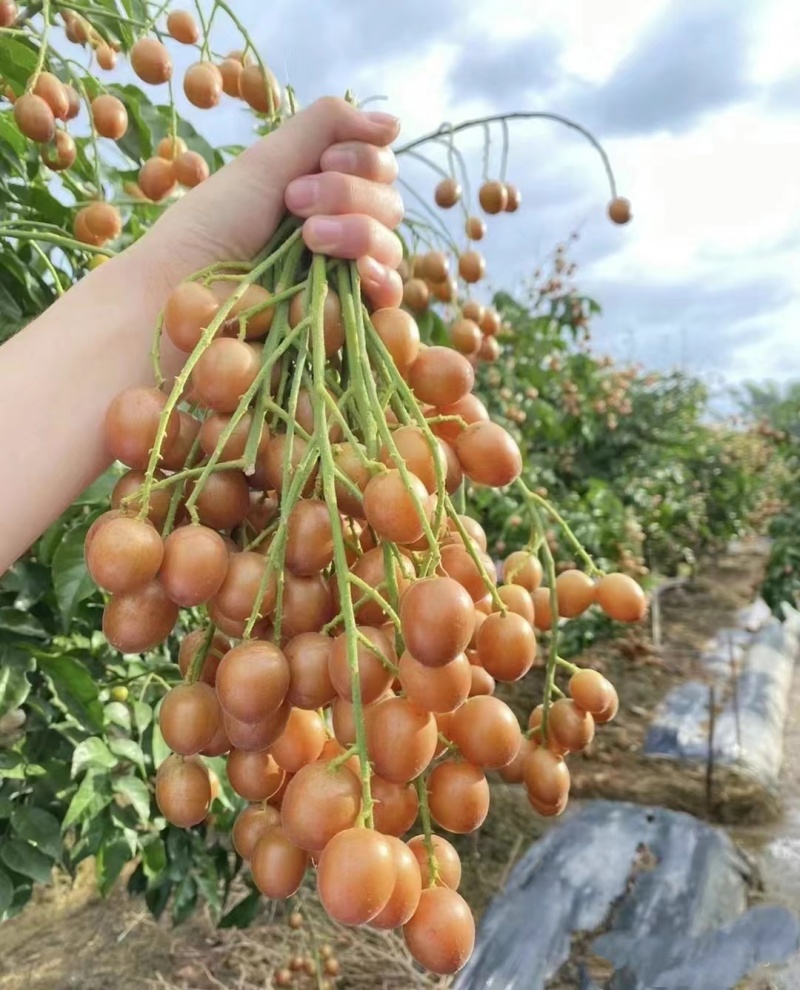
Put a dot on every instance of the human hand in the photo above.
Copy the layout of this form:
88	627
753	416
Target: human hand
331	164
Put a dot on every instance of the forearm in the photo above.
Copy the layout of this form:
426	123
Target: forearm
57	377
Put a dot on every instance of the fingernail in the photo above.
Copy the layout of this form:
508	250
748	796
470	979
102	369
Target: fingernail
340	160
384	119
302	194
327	233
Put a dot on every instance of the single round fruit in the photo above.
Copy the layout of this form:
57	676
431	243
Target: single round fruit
224	500
124	555
395	508
189	717
436	689
621	598
416	295
320	801
255	737
546	777
191	169
619	210
441	376
458	796
188	311
52	91
401	739
576	592
489	454
231	70
395	806
437	619
472	266
356	875
301	741
514	198
470	410
486	732
34	118
139	620
591	691
517	600
522	567
255	776
193	644
493	197
543	612
183	791
202	85
277	865
506	646
475	228
110	116
466	336
420	458
447	193
194	566
448	863
260	89
310	685
400	335
157	178
570	727
62	156
309	538
183	27
151	62
374	673
252	680
441	932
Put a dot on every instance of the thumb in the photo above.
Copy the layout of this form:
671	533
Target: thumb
231	215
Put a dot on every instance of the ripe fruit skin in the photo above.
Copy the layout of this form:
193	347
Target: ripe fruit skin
591	691
621	598
74	102
8	13
493	197
437	618
576	592
447	860
543	614
416	295
202	85
224	500
189	717
250	825
489	454
255	737
301	742
309	538
407	890
151	62
395	806
619	210
124	555
103	221
466	336
255	776
170	147
546	777
374	677
401	739
441	933
471	410
447	193
183	27
486	731
277	865
131	423
192	644
320	802
194	566
34	118
436	689
356	875
440	376
157	178
458	796
139	620
310	685
506	646
191	169
523	568
514	198
63	155
260	89
189	310
472	266
52	91
394	509
106	57
252	680
224	372
231	70
110	116
570	727
400	334
475	228
183	791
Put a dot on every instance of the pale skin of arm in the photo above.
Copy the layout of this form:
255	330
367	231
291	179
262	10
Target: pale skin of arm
331	165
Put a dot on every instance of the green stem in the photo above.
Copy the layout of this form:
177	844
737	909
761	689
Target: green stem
195	668
42	46
552	658
427	830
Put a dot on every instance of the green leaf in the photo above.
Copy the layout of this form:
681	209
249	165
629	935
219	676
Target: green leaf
116	713
71	581
135	791
185	900
244	913
15	665
10	136
109	863
74	689
21	623
38	827
92	753
157	898
17	61
142	715
6	892
128	749
98	494
92	796
154	857
137	142
26	859
159	748
9	761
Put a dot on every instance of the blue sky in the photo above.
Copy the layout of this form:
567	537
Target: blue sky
696	101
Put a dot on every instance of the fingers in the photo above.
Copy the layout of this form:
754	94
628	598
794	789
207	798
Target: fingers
334	194
364	160
352	237
383	285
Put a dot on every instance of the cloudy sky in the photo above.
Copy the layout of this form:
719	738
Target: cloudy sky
696	101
